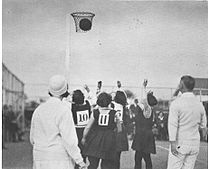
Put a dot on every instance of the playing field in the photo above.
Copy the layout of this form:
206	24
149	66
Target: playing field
160	159
19	156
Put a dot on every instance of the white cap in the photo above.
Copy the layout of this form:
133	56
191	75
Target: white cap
57	85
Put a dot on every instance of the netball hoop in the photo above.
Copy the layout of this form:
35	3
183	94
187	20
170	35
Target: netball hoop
83	21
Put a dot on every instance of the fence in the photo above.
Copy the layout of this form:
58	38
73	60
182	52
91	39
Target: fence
13	94
162	93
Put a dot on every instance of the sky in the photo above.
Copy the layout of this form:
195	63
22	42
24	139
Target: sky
129	41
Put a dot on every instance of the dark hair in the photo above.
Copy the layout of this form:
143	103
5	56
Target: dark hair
104	99
120	98
78	97
65	94
151	99
136	100
189	82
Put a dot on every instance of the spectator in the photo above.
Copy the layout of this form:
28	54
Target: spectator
134	108
12	124
186	115
130	124
4	125
52	134
18	120
155	131
161	123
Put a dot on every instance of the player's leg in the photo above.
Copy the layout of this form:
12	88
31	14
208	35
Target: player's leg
138	159
147	159
94	161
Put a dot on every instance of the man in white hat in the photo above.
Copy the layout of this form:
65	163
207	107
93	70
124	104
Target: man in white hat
52	134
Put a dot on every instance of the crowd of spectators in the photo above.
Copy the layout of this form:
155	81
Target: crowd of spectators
160	123
11	129
160	127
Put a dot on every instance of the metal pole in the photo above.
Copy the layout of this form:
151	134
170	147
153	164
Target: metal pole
23	108
67	58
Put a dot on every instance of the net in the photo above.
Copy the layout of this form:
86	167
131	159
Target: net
83	21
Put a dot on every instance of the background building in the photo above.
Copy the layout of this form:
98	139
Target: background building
13	94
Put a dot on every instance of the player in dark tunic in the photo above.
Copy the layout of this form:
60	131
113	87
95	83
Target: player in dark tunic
120	101
100	143
144	142
81	111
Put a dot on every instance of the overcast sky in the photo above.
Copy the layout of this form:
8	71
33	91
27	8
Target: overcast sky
129	41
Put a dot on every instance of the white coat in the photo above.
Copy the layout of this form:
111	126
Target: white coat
53	136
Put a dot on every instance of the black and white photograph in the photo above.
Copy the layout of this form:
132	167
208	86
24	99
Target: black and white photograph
115	84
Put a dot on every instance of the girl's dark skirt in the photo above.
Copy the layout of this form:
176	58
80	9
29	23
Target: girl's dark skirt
144	141
79	136
101	144
122	140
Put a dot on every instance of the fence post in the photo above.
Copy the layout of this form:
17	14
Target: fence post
200	94
171	93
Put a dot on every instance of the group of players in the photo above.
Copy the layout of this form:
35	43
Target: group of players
100	133
100	122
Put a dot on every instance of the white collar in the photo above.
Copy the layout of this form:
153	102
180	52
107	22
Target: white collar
187	94
104	108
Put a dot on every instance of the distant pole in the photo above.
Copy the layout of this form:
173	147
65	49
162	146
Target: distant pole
200	94
171	93
23	108
68	43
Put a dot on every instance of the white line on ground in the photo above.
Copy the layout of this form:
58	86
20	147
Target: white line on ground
162	147
201	161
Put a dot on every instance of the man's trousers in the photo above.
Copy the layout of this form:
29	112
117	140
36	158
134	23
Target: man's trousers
187	155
